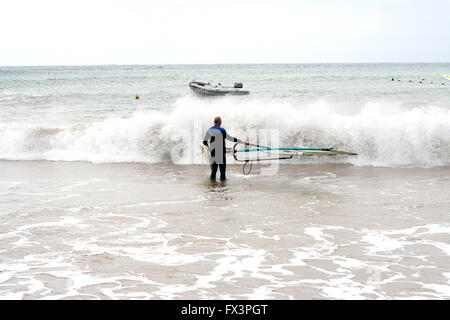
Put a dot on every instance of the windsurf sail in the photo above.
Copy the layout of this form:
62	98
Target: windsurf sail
299	151
445	76
260	153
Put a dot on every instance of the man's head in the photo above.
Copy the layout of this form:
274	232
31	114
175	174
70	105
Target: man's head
217	121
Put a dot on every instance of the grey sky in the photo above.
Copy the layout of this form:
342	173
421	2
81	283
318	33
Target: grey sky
50	32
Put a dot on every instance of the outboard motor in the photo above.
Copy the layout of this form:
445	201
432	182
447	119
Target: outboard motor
238	85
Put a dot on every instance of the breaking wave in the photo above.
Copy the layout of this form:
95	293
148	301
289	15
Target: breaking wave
383	134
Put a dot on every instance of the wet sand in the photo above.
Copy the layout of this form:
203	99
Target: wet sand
77	230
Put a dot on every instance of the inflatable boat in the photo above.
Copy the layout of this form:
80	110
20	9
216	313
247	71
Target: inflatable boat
206	88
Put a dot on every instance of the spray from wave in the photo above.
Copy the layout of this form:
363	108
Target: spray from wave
383	134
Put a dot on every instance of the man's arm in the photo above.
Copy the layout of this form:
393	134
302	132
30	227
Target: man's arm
232	139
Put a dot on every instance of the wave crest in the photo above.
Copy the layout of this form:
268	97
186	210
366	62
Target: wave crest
383	134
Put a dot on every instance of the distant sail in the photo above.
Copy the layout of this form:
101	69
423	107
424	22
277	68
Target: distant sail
445	76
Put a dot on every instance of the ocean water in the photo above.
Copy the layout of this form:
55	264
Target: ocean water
106	196
90	114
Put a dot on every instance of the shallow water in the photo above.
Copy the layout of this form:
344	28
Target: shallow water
76	230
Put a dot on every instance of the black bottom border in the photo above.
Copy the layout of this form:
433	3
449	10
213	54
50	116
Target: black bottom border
221	309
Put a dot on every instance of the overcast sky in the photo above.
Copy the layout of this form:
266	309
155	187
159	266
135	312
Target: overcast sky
55	32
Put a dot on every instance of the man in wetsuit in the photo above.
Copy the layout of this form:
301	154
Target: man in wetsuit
216	136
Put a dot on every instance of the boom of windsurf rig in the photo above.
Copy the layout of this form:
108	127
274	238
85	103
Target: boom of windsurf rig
250	153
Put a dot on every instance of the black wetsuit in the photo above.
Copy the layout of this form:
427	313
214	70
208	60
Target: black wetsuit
216	136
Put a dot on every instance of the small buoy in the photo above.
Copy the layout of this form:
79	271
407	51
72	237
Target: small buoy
137	97
392	79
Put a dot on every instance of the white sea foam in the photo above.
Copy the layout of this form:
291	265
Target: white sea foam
382	134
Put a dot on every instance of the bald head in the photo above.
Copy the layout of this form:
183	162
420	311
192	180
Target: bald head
217	121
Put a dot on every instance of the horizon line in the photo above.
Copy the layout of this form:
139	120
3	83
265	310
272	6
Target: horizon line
211	64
